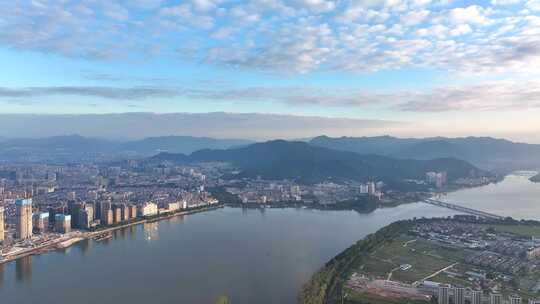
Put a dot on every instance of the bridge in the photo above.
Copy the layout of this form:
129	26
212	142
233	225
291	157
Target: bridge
459	208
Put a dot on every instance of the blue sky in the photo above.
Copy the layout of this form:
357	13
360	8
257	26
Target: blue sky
450	67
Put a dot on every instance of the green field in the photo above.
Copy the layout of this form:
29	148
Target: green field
425	259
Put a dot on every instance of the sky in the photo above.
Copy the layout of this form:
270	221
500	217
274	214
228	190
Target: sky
371	67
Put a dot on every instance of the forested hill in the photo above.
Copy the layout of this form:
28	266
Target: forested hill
306	163
484	152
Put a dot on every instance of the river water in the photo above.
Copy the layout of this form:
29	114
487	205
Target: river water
250	256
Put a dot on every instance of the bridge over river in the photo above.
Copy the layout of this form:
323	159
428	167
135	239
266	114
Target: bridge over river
459	208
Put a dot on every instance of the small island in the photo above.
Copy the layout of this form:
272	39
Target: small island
536	178
438	260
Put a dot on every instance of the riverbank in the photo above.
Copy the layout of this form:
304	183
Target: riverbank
361	204
75	237
326	285
392	265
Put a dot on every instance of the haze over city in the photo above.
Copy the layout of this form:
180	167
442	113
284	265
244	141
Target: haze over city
406	68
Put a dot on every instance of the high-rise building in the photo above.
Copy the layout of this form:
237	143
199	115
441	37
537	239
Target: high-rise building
106	213
363	189
515	299
132	211
476	296
23	215
117	214
459	295
148	209
108	218
495	298
86	216
75	209
97	209
436	178
41	222
444	296
56	210
371	188
62	223
1	224
125	212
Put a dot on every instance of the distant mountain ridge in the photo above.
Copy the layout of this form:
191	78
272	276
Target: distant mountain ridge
73	148
180	144
485	152
279	159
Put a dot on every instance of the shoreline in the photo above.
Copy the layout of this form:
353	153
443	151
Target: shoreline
78	236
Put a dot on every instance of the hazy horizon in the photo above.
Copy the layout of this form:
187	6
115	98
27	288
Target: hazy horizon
344	68
219	125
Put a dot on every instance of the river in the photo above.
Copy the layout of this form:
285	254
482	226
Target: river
250	256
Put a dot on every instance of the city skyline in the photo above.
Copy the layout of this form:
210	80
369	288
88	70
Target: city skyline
405	68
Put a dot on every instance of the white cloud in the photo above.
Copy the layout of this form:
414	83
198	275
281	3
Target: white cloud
297	36
204	5
461	29
317	5
471	14
414	17
501	95
223	33
439	31
115	11
420	2
533	5
504	2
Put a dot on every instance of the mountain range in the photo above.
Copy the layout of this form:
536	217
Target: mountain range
485	152
74	148
307	163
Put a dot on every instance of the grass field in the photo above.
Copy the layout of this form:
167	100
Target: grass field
377	267
425	259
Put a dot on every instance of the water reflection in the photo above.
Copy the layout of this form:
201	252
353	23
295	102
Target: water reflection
84	246
132	232
1	275
174	220
120	233
151	231
23	269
